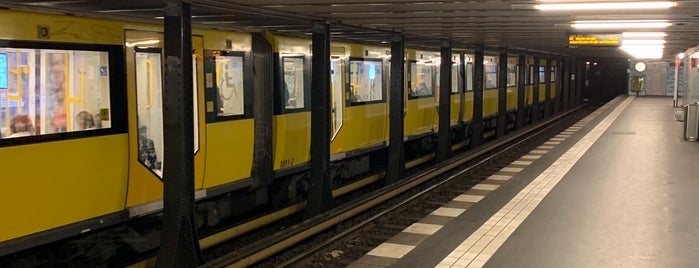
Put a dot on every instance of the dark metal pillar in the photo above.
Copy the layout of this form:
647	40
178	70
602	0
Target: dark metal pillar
565	95
396	150
559	85
320	195
502	96
477	137
578	82
547	87
179	246
263	107
443	137
535	91
521	81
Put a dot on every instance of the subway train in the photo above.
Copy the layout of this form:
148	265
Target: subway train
81	128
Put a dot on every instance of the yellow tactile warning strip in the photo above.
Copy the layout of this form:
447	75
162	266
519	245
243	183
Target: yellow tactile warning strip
389	252
477	249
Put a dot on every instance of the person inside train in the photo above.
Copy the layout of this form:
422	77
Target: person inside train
146	149
20	126
84	121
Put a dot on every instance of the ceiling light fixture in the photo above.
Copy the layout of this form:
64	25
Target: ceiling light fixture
643	42
643	34
620	24
605	6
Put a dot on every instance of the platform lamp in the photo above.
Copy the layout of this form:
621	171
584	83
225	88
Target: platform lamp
678	60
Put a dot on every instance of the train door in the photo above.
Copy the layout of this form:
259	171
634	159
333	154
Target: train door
144	68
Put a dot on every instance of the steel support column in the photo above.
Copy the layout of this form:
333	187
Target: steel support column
179	246
536	85
502	96
579	77
565	95
559	85
396	150
444	134
521	81
263	108
320	195
477	137
547	87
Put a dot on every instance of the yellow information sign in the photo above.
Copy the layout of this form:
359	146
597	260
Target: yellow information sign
594	40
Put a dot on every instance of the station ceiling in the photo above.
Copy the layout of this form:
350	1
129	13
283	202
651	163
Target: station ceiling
513	25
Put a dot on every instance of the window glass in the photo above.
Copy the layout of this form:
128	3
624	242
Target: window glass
52	91
421	79
150	110
469	76
455	78
491	75
542	74
553	73
366	80
229	81
530	77
293	82
336	82
195	103
511	75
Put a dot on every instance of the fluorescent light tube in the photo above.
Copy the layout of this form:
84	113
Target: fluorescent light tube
620	24
606	6
643	42
643	34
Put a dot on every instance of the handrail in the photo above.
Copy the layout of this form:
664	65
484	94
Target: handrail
18	96
151	85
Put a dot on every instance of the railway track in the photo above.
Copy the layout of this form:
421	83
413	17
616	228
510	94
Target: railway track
365	219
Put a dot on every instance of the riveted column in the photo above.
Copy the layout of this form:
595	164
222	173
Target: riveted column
521	81
179	246
535	84
477	137
502	95
565	96
547	87
443	137
263	110
396	150
320	195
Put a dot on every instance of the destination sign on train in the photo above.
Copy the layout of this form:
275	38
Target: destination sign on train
594	40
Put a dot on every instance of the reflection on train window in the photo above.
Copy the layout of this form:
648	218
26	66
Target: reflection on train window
553	73
229	82
511	75
52	91
336	82
421	79
195	103
469	76
150	110
530	76
365	80
491	76
542	74
294	82
455	78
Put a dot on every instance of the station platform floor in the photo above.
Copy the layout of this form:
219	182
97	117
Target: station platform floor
620	188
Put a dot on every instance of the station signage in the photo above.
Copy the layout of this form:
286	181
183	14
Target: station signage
594	40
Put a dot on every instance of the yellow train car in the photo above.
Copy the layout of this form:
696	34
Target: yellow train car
421	103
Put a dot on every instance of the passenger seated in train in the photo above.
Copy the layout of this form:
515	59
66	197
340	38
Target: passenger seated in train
421	90
20	126
146	149
84	121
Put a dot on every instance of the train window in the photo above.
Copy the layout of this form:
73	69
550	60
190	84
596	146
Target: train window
149	90
530	77
421	79
455	78
542	74
511	75
553	73
51	91
195	103
229	82
336	82
365	80
294	83
469	76
491	76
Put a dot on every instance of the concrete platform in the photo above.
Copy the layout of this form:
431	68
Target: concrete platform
619	188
